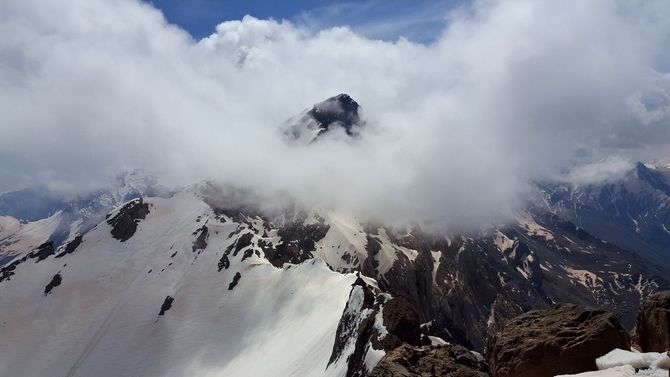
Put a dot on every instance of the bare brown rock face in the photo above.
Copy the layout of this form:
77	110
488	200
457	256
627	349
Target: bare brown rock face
562	340
447	360
653	323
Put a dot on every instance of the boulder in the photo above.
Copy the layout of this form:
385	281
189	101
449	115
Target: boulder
653	323
562	340
445	360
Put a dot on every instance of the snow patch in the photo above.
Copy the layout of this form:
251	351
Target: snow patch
436	341
436	262
533	228
502	242
637	360
584	277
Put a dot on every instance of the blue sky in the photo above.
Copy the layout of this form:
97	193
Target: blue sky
420	20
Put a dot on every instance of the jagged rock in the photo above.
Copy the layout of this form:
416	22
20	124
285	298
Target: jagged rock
224	262
200	242
448	360
354	329
402	323
373	321
562	340
43	251
55	281
124	223
236	279
71	246
653	323
242	242
297	243
7	271
167	304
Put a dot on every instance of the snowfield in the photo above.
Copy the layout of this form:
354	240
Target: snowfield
102	320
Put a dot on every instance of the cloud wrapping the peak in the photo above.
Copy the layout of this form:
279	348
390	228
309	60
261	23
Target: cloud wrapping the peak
608	170
510	92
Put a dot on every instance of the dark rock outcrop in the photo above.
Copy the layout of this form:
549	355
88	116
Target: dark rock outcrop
242	242
448	360
71	246
402	323
224	262
236	279
562	340
55	281
297	243
653	323
360	324
355	329
43	251
200	242
124	223
7	271
167	304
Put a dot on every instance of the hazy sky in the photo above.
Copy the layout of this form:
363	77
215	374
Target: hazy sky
505	92
417	20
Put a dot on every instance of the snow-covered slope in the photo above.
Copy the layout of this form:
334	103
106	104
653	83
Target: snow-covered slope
102	316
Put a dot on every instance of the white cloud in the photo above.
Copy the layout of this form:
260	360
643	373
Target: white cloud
608	170
511	91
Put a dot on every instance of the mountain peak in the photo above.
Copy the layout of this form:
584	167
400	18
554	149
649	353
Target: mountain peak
337	112
652	177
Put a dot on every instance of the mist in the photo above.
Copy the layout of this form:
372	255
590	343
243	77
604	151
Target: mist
509	92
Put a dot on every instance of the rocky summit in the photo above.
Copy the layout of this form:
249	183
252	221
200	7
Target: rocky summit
337	113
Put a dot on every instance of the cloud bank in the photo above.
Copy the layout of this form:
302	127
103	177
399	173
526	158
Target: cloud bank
511	91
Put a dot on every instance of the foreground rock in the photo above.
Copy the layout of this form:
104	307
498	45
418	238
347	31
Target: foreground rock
653	323
445	360
562	340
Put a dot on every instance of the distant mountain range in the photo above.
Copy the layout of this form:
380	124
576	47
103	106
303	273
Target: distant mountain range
632	212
